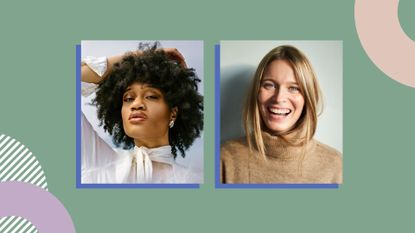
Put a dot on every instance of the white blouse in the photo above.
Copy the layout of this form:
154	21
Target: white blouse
101	163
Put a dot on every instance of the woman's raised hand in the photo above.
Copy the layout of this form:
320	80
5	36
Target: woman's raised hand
88	75
176	55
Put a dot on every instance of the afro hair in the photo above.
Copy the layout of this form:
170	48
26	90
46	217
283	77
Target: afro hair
154	67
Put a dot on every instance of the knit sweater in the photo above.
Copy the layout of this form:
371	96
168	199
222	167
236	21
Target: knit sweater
319	164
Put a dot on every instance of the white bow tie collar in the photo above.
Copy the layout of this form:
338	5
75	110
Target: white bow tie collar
142	158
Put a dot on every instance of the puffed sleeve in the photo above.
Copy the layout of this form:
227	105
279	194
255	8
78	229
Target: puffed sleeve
95	152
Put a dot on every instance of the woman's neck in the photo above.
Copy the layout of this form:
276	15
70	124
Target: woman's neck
151	143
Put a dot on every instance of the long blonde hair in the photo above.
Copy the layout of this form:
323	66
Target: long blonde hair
306	125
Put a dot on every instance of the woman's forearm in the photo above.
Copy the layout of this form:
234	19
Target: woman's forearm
89	76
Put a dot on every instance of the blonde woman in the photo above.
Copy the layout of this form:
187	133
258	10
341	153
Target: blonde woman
280	120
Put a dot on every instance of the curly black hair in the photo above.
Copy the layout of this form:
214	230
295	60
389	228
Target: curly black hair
158	70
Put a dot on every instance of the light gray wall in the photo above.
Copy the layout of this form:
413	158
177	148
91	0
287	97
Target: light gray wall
238	61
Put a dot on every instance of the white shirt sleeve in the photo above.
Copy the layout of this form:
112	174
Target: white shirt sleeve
95	152
97	64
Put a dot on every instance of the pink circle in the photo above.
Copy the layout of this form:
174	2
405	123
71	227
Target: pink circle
384	40
38	206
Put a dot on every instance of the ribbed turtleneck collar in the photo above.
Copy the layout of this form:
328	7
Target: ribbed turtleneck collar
276	147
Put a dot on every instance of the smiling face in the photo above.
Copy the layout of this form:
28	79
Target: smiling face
146	115
279	99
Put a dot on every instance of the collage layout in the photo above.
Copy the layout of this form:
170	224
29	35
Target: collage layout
278	114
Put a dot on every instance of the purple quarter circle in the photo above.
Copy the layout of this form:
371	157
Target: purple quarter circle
35	204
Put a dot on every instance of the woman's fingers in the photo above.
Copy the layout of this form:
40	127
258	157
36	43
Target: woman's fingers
175	54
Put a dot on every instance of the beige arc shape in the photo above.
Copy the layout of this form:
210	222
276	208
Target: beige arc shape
383	39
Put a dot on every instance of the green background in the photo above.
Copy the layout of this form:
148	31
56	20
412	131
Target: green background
37	99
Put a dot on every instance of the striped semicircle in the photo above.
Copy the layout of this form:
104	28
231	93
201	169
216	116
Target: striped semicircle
17	163
16	224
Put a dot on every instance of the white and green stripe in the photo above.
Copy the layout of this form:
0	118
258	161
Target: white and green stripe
15	224
18	164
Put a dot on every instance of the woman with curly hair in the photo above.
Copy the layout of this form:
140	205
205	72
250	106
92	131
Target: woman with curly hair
148	102
280	120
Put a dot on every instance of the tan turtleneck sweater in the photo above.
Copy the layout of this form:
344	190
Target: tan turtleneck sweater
321	164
